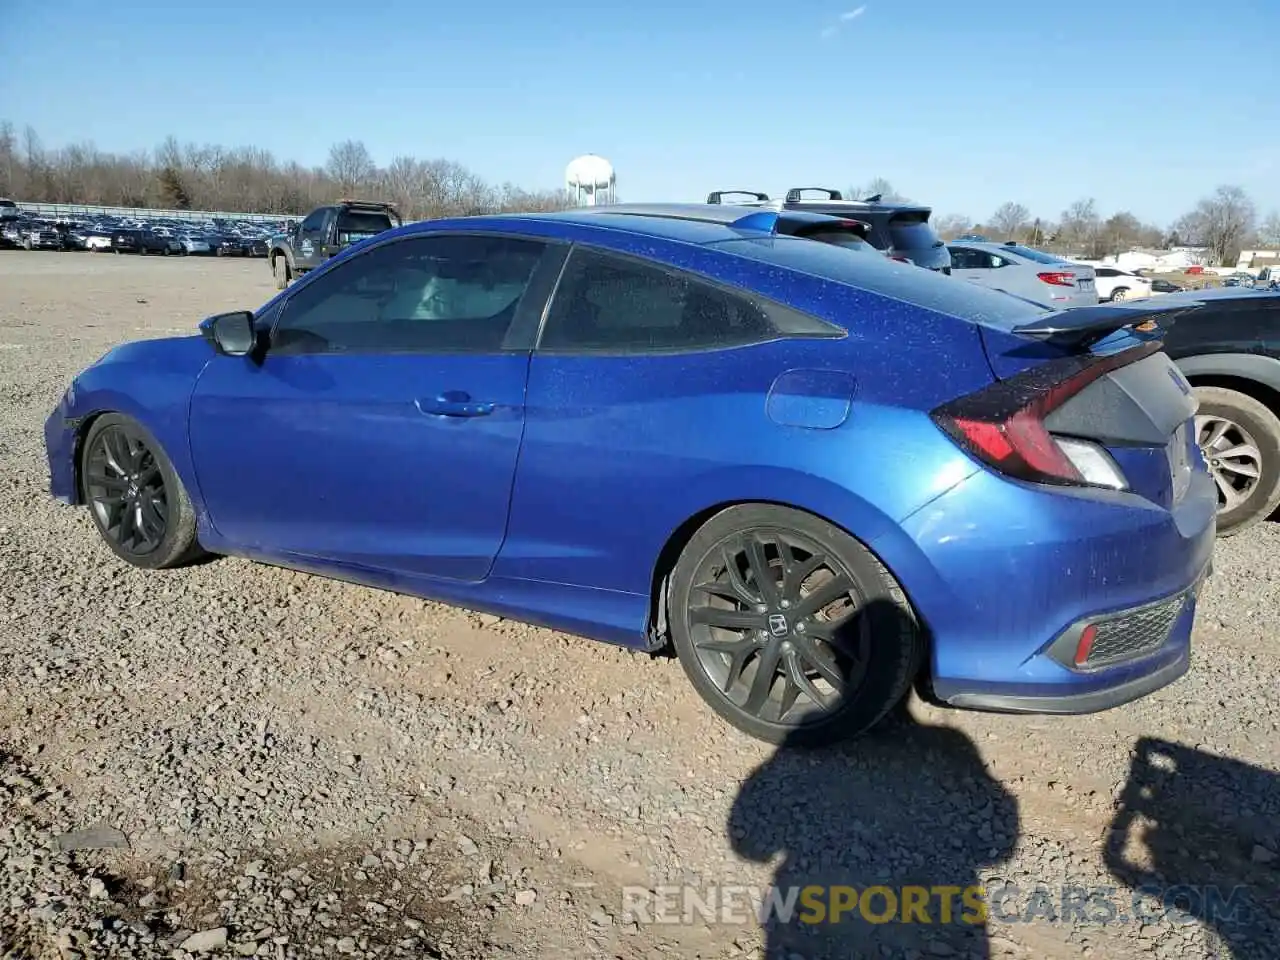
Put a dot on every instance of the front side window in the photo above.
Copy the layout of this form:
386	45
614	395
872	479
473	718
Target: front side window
424	294
610	303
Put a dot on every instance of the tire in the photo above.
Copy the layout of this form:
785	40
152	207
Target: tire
280	270
1119	294
783	627
26	243
142	475
1252	428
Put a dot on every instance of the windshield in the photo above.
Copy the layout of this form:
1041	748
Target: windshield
911	231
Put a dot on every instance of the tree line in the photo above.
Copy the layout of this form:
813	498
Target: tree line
248	179
1224	223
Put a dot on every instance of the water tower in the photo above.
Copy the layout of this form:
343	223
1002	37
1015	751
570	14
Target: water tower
590	181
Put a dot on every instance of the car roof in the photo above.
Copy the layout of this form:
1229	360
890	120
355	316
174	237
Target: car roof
697	223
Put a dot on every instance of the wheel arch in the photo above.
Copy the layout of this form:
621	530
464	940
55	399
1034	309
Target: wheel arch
657	632
1252	374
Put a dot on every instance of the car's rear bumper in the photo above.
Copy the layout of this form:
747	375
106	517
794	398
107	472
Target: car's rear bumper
1006	577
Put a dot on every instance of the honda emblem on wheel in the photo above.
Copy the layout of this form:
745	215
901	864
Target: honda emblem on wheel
778	625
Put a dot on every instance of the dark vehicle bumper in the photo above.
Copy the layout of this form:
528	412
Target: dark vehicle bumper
59	445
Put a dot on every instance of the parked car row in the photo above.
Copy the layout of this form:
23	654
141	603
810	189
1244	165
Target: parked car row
102	234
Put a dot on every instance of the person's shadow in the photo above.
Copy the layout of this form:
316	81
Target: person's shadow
1198	838
908	809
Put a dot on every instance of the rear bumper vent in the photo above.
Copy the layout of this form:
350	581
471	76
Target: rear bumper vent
1096	643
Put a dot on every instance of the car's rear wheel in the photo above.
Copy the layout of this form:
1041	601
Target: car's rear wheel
1240	440
1120	293
789	627
138	503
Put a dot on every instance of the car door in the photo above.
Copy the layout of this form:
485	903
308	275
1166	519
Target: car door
380	427
308	252
638	370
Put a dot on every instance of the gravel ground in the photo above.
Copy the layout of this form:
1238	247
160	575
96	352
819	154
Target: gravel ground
238	760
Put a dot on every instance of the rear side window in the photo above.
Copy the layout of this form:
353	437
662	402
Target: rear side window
616	304
883	277
911	231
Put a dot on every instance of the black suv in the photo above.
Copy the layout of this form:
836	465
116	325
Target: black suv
324	232
899	230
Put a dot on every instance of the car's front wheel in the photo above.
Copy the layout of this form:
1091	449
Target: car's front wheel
789	627
138	503
1240	440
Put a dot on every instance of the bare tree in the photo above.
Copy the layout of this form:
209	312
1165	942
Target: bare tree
878	186
952	225
1009	220
247	178
1268	231
1222	222
350	166
1080	227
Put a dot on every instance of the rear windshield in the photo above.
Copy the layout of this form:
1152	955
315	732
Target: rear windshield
355	223
881	276
1039	256
911	231
840	238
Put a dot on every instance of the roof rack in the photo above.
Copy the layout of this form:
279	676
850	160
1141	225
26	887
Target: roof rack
716	196
370	204
794	194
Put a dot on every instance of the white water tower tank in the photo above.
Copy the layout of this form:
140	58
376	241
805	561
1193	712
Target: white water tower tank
590	181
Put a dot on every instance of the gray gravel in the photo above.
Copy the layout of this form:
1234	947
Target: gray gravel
236	760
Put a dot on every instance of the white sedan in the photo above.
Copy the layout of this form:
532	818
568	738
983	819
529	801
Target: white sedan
1115	284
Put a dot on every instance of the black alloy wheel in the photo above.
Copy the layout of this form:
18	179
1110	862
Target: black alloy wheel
791	629
137	501
126	490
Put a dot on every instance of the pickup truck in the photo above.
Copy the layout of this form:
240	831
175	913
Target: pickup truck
324	232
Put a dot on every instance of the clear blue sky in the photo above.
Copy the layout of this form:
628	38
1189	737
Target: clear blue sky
1143	104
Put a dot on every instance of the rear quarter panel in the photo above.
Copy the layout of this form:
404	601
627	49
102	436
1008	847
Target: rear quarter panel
621	451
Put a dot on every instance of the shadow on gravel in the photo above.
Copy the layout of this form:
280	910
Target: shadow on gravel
897	824
1196	837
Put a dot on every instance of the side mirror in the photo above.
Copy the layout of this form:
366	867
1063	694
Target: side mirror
231	334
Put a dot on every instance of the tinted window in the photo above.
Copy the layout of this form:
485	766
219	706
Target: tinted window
356	225
840	238
314	220
428	294
964	258
610	303
911	231
883	277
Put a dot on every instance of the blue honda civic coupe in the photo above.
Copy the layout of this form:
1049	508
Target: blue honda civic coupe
819	477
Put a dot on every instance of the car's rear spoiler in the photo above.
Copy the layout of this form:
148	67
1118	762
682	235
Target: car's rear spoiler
1085	326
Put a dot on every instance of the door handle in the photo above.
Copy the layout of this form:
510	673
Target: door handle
454	403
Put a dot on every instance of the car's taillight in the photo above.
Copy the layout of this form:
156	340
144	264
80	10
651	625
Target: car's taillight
1003	425
1058	279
